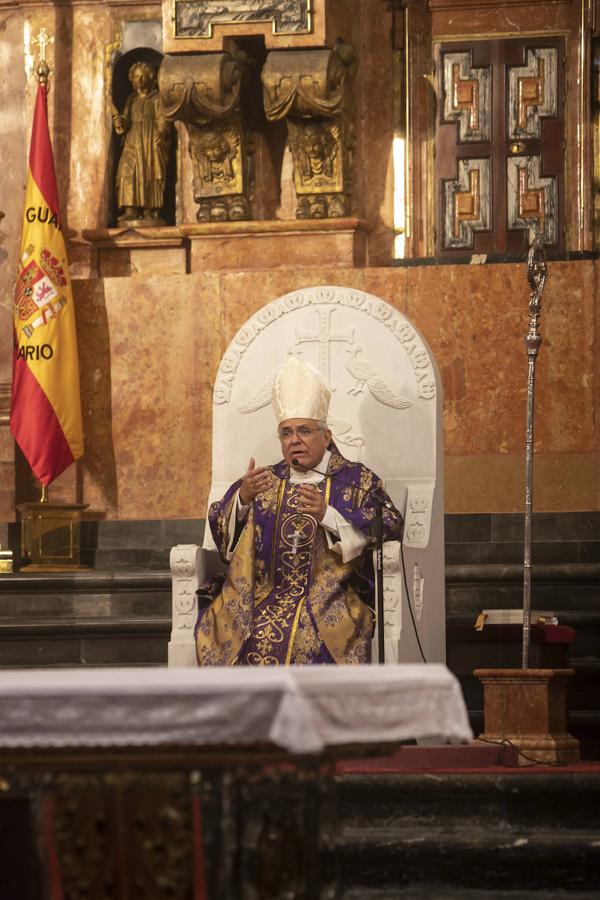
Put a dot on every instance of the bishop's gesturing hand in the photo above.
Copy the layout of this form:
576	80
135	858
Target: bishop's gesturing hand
312	501
255	481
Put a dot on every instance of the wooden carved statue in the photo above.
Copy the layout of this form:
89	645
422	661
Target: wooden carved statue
140	182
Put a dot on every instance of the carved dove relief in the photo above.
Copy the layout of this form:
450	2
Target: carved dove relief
367	376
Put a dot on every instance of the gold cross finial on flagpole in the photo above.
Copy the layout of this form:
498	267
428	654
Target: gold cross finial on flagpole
42	40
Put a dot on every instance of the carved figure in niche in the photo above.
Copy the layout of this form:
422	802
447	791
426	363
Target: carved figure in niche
140	182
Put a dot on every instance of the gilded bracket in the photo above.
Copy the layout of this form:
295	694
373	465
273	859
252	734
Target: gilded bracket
310	90
203	92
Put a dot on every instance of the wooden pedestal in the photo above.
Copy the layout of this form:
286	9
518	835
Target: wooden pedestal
528	708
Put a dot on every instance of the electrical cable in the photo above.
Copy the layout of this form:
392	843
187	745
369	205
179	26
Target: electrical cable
505	742
409	601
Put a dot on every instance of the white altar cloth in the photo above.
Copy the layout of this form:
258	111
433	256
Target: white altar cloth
303	709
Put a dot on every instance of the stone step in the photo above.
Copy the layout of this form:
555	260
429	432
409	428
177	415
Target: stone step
478	859
512	799
469	833
566	589
122	617
85	618
434	890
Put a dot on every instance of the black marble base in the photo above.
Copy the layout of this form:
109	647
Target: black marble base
294	832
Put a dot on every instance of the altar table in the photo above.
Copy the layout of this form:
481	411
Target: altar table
196	784
301	709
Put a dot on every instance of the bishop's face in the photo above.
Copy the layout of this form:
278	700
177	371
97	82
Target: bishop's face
304	442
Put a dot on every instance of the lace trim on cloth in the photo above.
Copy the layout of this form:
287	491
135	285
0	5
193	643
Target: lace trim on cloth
303	709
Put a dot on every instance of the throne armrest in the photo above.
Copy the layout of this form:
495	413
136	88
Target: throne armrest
187	574
392	602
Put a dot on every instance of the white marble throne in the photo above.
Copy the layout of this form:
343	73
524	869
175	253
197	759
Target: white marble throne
386	411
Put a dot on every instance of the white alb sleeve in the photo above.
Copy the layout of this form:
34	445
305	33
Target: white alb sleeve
351	541
239	511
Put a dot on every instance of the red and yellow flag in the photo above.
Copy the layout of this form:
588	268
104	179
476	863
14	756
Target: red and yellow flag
45	416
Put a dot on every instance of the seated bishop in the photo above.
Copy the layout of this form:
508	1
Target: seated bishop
296	540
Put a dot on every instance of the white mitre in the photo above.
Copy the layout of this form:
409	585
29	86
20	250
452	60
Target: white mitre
299	393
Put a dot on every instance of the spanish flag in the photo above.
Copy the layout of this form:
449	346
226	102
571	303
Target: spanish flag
45	416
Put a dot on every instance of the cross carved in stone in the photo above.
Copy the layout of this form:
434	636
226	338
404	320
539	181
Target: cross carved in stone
324	336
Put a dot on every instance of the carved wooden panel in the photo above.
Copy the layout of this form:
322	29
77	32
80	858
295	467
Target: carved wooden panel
467	96
123	835
595	109
467	203
499	145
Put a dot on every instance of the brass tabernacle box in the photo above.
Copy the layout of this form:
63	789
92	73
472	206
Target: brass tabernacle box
50	535
6	561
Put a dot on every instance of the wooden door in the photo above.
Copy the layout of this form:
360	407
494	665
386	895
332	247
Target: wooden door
499	146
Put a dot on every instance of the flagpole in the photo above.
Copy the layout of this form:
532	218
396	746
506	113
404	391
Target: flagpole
42	72
45	417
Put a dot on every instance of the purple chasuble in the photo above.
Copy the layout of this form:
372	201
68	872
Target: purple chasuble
285	612
288	597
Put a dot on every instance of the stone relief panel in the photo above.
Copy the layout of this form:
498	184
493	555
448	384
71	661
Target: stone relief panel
197	18
418	590
186	571
392	586
365	375
532	93
417	520
467	97
532	199
467	203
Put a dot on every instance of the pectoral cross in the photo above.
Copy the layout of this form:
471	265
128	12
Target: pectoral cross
296	533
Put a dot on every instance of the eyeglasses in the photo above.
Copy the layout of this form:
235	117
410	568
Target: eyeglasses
303	431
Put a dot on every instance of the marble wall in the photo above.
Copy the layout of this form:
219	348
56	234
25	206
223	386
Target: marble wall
150	348
151	335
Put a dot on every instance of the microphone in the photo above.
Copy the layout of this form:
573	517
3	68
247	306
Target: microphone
296	462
